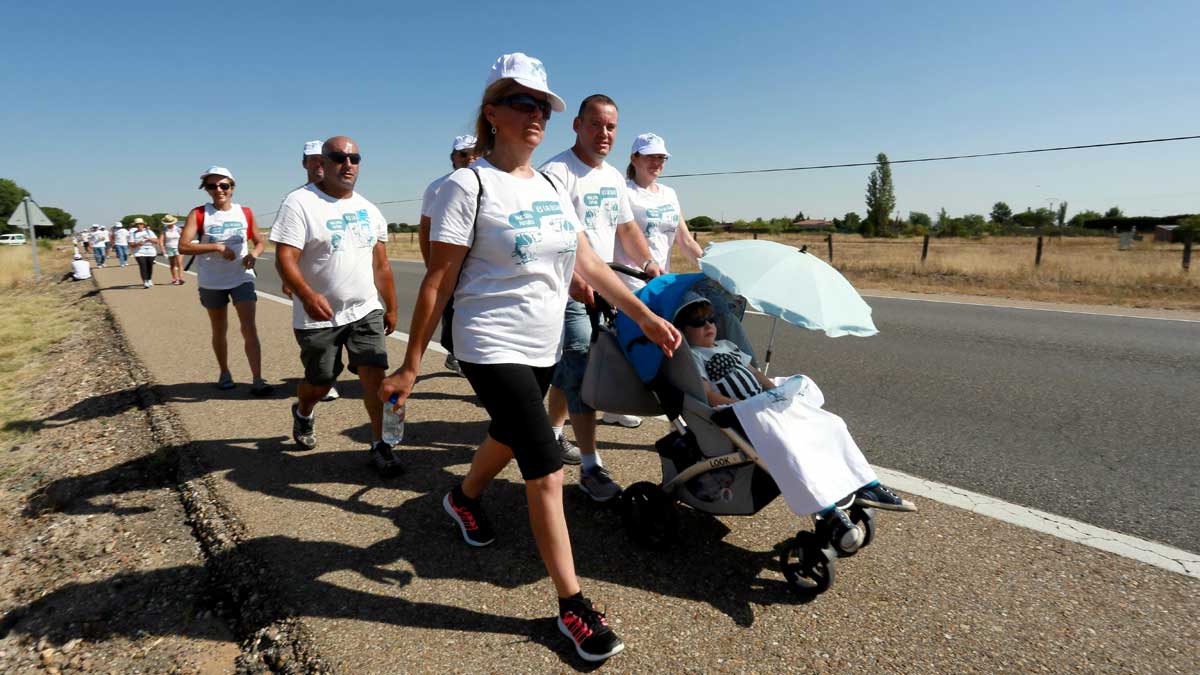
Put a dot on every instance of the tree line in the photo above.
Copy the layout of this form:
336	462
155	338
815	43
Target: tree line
11	196
881	221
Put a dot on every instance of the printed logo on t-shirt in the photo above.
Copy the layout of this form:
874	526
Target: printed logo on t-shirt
661	218
355	226
595	202
544	216
226	228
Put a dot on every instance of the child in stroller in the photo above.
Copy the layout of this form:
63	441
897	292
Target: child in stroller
710	462
729	376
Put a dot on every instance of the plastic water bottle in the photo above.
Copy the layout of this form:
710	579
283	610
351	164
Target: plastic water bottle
393	422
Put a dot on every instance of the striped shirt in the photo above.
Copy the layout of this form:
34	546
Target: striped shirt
727	368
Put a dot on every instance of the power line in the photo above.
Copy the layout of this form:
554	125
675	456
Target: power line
935	159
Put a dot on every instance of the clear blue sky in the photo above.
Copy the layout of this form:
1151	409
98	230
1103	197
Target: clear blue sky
114	108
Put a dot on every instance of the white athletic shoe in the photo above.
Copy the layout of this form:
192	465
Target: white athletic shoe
629	421
333	395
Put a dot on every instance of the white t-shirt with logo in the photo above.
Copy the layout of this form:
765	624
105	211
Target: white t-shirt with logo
99	238
336	238
143	243
508	306
231	228
171	237
599	196
121	236
657	215
430	195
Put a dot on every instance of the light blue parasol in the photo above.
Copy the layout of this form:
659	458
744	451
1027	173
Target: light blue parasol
790	284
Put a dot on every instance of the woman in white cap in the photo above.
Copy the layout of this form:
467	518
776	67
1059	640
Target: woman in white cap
229	244
168	241
655	208
145	250
515	239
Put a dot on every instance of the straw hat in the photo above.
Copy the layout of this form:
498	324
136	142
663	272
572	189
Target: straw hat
169	220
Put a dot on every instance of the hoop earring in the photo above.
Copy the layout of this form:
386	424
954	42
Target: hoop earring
493	131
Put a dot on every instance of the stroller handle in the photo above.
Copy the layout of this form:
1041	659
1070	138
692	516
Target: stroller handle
629	271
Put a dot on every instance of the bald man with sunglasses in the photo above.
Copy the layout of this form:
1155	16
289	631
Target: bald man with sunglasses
331	251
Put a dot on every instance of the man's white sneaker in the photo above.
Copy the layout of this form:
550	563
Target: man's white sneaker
333	395
628	421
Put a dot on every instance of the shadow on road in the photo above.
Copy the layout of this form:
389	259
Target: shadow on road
703	568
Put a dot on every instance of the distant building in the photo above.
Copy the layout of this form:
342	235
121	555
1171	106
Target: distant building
1168	233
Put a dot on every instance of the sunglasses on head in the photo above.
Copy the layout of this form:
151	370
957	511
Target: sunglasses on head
341	157
524	103
700	321
218	186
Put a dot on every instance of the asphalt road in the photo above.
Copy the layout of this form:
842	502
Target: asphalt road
1091	417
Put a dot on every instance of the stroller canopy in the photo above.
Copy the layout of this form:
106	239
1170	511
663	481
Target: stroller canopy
664	295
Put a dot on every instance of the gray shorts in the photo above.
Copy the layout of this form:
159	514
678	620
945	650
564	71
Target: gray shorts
320	348
216	298
171	252
577	340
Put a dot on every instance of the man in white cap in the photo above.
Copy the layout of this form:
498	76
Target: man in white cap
120	240
601	201
80	270
331	250
462	153
99	245
311	161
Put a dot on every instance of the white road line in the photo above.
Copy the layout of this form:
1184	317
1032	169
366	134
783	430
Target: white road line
1154	553
1150	552
397	335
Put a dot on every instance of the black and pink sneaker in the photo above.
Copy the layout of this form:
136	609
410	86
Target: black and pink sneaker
468	513
579	620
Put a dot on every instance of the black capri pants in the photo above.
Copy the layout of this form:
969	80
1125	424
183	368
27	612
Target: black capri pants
513	394
145	265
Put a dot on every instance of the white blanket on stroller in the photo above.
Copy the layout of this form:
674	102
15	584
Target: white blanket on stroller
808	451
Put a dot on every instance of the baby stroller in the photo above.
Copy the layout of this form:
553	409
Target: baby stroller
707	461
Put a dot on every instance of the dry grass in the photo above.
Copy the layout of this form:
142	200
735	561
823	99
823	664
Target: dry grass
16	263
1084	270
37	316
403	246
1088	270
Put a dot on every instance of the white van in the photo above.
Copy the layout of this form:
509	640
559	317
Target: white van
12	239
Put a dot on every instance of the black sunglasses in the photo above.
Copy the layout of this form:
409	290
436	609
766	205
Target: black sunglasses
340	157
699	321
524	103
216	186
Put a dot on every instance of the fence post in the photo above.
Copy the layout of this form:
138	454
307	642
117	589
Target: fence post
411	235
924	249
829	240
755	234
1187	250
1037	262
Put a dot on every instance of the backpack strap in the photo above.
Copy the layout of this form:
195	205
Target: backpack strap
250	233
199	211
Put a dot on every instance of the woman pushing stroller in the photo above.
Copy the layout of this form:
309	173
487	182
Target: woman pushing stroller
729	377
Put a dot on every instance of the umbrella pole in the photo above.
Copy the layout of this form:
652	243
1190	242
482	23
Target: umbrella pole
770	345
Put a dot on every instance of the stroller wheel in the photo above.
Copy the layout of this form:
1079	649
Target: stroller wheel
650	515
806	566
864	518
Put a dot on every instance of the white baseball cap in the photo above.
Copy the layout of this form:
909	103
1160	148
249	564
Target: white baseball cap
312	148
526	71
217	171
650	144
466	142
